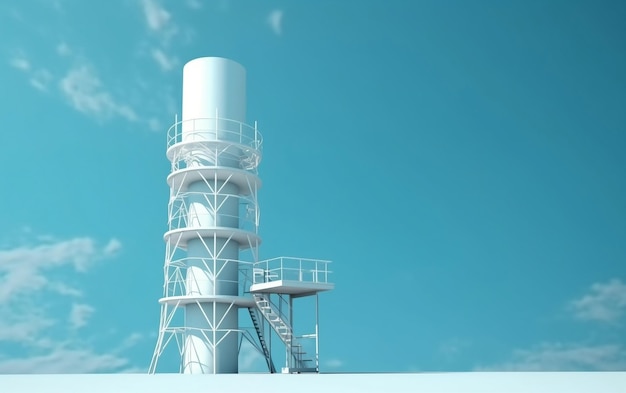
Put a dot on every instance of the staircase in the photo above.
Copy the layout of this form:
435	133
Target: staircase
259	332
285	333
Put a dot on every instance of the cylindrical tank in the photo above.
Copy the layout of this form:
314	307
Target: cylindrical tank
214	85
214	107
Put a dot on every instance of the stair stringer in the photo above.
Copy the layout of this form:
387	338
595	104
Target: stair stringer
257	327
284	332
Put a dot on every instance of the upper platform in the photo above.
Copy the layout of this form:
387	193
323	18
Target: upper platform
209	142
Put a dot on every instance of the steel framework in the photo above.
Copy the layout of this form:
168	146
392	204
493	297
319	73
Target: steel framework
213	221
213	213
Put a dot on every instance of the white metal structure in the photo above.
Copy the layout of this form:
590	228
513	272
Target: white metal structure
213	216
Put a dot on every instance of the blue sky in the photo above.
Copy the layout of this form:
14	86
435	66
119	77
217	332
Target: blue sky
462	163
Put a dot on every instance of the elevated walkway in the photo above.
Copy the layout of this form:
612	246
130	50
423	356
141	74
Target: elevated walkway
291	276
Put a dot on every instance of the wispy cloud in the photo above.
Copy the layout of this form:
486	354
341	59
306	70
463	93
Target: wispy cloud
161	25
453	347
22	269
154	124
156	16
64	360
565	357
30	301
112	247
79	315
26	279
63	49
85	93
604	302
194	4
41	79
334	363
17	326
38	78
275	20
20	63
159	20
166	63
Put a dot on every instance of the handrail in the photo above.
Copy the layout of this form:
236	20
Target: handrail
216	129
294	269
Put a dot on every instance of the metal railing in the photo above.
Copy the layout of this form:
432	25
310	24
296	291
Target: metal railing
215	129
292	269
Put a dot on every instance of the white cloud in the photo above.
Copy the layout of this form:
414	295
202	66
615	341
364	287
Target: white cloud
154	124
79	315
40	79
22	269
63	49
112	247
20	63
334	363
131	341
565	357
63	289
194	4
159	20
30	302
605	302
85	93
56	4
166	63
22	327
453	347
275	20
156	16
25	283
64	360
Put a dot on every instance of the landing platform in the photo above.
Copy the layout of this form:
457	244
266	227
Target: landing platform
291	287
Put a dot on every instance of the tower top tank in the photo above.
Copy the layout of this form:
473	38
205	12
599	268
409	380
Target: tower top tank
214	87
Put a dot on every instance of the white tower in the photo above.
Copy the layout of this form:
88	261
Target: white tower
213	215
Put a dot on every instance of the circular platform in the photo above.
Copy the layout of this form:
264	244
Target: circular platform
180	237
189	299
246	181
